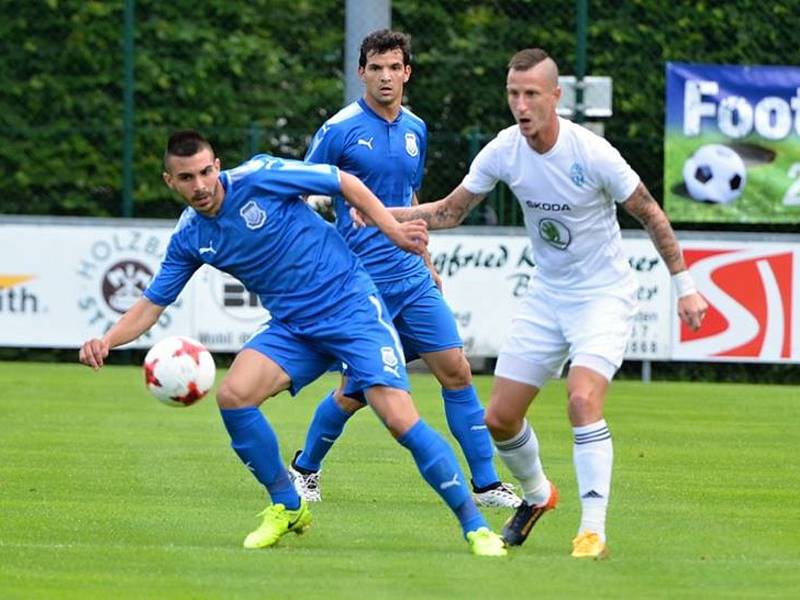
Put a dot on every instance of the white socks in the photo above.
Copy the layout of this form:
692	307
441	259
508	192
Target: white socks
521	455
593	455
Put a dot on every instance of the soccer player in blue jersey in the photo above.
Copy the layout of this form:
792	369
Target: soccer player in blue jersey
252	223
384	144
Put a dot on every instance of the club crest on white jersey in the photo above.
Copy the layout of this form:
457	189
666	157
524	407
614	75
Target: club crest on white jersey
576	174
254	217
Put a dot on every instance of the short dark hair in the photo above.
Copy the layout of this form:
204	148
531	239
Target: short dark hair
527	59
186	142
382	41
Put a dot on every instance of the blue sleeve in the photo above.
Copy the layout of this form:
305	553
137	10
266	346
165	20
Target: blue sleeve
282	177
326	147
175	271
417	184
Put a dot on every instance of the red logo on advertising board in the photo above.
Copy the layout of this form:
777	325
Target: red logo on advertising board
750	303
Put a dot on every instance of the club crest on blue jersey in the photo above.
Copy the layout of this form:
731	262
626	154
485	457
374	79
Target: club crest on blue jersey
390	361
389	356
576	174
254	217
411	144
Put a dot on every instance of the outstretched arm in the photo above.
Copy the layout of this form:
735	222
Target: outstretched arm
446	213
426	256
642	206
139	318
411	236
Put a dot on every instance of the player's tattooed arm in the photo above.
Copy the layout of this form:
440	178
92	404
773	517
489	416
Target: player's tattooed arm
643	207
445	213
426	256
692	307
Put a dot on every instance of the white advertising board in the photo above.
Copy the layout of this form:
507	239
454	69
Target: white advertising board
484	276
650	339
77	280
62	281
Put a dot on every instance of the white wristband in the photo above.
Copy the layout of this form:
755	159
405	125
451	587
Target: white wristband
683	284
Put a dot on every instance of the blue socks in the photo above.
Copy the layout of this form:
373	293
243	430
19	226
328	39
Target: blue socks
465	417
254	441
438	465
325	428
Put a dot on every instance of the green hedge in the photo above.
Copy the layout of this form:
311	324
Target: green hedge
262	75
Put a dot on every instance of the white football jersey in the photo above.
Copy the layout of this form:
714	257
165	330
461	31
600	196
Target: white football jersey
568	197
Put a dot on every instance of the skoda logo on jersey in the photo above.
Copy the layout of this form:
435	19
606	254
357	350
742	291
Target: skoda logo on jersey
576	174
554	233
254	217
411	144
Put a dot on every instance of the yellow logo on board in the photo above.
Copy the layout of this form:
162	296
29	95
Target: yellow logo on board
7	281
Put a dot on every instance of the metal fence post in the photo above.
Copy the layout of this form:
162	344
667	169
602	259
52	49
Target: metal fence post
128	109
582	20
361	18
253	139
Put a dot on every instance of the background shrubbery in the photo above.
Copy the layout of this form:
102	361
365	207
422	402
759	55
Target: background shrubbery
262	75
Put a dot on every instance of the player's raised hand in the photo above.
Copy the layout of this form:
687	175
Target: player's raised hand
93	352
692	310
411	236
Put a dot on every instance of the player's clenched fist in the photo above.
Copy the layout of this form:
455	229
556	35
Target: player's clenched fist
692	310
413	236
93	352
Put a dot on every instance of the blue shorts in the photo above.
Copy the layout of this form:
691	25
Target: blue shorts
359	335
420	315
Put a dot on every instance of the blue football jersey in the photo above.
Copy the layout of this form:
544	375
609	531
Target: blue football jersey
269	239
390	159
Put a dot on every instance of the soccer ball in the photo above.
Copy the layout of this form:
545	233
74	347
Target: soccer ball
179	371
715	173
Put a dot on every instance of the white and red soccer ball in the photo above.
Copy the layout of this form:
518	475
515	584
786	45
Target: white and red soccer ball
179	371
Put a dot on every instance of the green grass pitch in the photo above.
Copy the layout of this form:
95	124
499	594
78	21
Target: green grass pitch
104	493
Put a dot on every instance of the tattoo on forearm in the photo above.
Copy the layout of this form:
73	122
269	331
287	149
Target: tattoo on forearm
647	211
438	215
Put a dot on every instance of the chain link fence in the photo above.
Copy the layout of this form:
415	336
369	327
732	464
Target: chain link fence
262	76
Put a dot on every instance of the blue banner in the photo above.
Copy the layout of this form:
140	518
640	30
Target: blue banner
732	144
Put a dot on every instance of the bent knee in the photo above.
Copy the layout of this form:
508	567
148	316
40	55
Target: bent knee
229	395
584	409
501	425
455	374
346	403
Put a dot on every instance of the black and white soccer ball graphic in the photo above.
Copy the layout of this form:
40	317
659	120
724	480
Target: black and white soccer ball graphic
715	173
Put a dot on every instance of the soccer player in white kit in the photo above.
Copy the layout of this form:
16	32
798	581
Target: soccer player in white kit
582	301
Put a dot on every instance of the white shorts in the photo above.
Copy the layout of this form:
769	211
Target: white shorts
551	328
